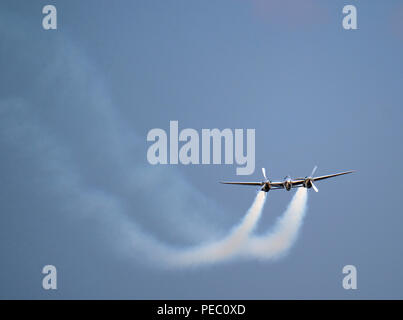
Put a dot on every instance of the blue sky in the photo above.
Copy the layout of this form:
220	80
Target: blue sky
77	103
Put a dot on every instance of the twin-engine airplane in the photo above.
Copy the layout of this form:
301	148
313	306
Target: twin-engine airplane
288	183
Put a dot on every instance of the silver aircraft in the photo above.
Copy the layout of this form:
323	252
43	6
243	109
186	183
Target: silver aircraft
288	183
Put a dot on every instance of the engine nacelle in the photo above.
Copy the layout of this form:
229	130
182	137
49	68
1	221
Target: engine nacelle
266	187
307	183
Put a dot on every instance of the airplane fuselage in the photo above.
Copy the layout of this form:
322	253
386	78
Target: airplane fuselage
287	183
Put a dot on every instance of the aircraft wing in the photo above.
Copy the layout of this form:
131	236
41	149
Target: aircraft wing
294	183
253	184
244	183
276	184
331	175
297	185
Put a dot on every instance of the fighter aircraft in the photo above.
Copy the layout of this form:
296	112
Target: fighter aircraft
288	183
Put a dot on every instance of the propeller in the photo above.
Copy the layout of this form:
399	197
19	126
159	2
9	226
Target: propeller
310	178
313	171
264	173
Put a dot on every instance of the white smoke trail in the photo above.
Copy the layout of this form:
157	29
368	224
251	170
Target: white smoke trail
280	239
240	243
226	248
